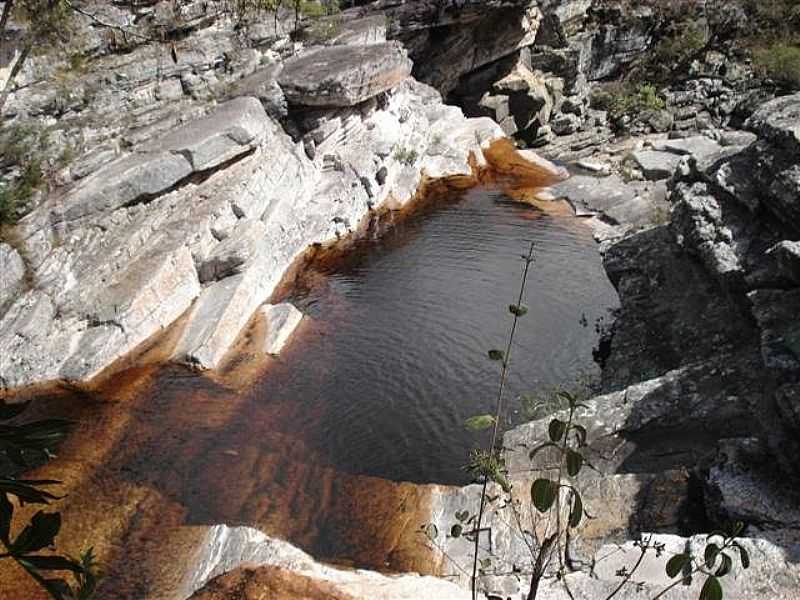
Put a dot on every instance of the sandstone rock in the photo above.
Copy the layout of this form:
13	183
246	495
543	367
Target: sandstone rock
131	179
656	165
359	32
779	122
263	84
232	129
744	484
281	320
227	548
776	312
343	75
698	146
787	254
12	274
246	243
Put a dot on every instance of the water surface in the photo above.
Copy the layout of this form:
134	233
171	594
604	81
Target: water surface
393	359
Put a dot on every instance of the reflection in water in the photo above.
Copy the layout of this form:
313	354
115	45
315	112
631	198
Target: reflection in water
378	381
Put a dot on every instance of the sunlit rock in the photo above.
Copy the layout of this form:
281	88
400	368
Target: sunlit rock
281	321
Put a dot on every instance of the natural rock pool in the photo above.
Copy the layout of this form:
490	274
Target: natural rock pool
376	382
394	356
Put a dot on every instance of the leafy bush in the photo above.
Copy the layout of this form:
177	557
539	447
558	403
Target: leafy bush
780	62
625	99
406	156
14	198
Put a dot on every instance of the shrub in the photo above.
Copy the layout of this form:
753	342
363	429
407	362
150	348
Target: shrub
780	62
625	99
405	155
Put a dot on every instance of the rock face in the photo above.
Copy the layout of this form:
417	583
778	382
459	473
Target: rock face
344	75
282	320
282	570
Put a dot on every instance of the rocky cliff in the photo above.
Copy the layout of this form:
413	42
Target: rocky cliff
199	170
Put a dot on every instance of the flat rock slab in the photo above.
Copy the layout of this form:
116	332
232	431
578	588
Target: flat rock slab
589	195
696	145
344	75
282	321
656	165
232	129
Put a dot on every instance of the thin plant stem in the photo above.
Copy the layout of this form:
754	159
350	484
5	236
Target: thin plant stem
498	411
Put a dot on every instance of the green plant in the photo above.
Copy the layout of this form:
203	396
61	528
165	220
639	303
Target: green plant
21	446
407	156
556	507
780	62
626	99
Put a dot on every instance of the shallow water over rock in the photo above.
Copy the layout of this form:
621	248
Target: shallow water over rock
393	359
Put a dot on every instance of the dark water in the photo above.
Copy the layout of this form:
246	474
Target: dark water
394	359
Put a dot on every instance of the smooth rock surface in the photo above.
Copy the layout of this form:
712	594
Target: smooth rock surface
281	320
343	75
656	165
227	548
12	273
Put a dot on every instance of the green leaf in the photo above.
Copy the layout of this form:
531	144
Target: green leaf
496	354
462	515
479	422
541	447
518	310
9	410
57	588
576	512
710	555
543	494
39	534
712	590
26	490
745	557
486	563
574	462
676	564
569	398
556	429
580	432
52	563
726	566
431	530
455	531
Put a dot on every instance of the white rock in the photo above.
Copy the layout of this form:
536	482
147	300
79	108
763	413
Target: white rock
226	548
12	273
281	320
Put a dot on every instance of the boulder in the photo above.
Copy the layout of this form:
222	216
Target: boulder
343	75
787	255
776	312
778	121
656	165
698	146
263	84
281	322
